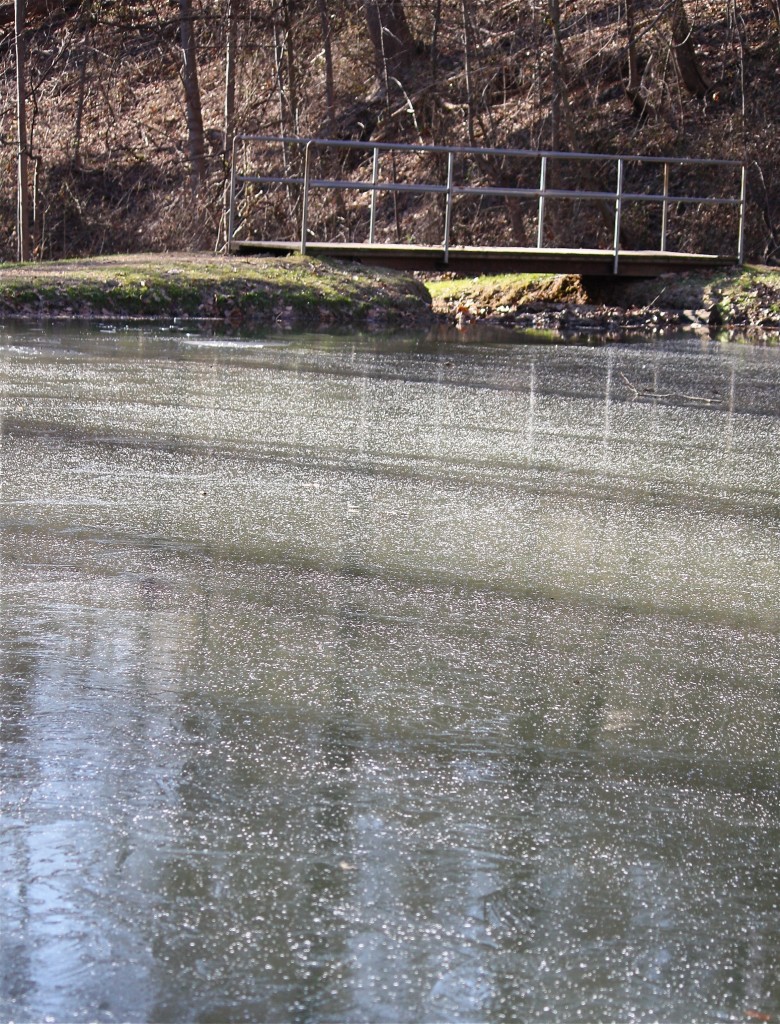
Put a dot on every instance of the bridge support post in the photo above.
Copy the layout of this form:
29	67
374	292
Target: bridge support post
742	200
542	194
231	229
374	180
665	209
618	212
448	208
305	202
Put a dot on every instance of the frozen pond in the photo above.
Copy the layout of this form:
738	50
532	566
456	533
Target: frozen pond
360	679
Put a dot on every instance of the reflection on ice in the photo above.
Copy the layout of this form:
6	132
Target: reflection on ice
345	681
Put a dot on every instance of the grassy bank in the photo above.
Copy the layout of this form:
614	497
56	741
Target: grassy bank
305	290
240	289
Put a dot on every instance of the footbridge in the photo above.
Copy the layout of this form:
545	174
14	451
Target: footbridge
473	210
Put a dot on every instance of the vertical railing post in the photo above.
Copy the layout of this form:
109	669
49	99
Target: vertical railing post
540	219
374	180
665	209
305	204
448	208
232	200
618	212
742	201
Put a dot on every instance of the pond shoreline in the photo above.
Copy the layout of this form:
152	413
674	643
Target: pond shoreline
303	291
213	288
743	303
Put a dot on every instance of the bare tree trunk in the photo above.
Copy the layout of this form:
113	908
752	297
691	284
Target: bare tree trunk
229	123
80	105
560	99
189	76
634	90
289	55
738	26
23	197
284	61
435	39
467	53
330	93
391	39
278	58
230	74
633	61
693	78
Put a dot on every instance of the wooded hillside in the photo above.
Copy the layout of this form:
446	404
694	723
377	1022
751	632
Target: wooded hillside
130	106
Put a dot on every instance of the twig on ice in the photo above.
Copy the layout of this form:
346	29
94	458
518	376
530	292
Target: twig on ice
650	393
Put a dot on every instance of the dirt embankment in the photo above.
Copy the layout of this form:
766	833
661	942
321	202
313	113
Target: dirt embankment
745	301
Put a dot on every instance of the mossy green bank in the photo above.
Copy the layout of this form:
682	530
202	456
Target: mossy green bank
239	289
307	290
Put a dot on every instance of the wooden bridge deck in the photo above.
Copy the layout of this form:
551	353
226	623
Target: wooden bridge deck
496	260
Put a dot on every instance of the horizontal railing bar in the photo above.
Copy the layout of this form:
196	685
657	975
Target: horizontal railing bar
388	186
477	150
672	198
336	183
267	179
562	193
487	190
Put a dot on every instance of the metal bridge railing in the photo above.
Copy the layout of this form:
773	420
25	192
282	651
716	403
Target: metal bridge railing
307	181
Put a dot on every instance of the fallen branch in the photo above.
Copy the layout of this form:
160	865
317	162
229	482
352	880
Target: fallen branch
650	393
649	306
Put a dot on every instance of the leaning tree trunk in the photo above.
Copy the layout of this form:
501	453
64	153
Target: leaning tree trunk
693	78
23	197
189	75
636	94
391	40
